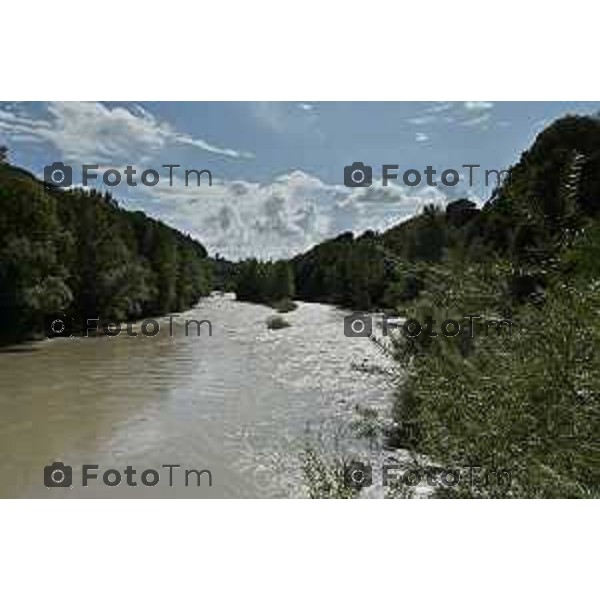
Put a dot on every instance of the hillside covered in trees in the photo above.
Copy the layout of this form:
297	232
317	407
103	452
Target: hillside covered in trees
552	192
78	252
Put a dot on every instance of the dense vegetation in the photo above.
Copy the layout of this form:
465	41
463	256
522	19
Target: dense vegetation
78	252
264	282
528	402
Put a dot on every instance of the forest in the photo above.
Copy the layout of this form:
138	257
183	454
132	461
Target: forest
78	252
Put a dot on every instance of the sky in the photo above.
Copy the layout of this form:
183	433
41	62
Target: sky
278	167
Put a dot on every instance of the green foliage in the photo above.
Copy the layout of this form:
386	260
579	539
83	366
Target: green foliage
581	258
326	479
77	251
224	273
345	271
529	402
366	424
264	282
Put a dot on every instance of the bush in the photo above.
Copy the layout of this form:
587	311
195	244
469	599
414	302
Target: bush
529	402
277	322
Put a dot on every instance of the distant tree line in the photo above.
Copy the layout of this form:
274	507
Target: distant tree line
264	282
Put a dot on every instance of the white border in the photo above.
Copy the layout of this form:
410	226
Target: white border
309	50
298	549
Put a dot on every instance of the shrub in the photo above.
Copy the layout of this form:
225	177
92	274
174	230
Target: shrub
529	402
277	322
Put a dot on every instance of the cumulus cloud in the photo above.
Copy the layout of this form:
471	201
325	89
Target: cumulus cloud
284	216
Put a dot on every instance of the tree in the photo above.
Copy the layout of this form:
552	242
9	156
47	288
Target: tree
283	284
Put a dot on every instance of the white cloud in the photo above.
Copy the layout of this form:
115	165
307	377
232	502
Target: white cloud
479	114
433	113
439	107
186	139
284	216
92	131
472	105
468	114
481	119
423	120
421	137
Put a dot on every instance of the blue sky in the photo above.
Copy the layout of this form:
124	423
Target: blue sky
278	166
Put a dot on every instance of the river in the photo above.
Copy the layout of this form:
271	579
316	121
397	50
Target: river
242	403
